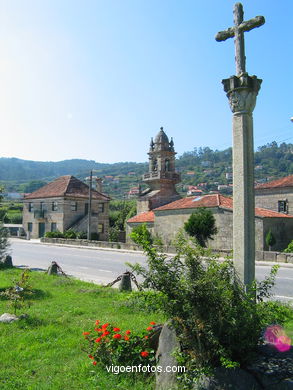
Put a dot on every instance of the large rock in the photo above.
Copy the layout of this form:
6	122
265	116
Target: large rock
6	262
7	318
228	379
168	343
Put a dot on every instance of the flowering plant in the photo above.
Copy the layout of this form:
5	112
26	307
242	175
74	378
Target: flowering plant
109	345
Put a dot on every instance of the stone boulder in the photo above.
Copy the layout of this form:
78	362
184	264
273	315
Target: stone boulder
7	318
228	379
6	262
168	343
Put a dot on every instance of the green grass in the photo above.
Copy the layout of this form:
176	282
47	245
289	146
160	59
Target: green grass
44	351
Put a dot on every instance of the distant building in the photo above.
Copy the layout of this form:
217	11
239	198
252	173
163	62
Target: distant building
193	191
133	192
62	205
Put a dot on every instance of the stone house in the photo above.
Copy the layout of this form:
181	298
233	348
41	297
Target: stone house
62	205
276	195
167	220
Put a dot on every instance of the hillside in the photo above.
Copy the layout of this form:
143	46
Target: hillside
209	167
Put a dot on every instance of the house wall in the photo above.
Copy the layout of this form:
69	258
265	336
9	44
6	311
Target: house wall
268	198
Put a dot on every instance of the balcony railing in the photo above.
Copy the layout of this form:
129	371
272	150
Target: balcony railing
161	175
39	214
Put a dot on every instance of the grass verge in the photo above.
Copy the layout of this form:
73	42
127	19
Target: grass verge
44	350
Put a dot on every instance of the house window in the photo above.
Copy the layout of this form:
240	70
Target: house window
54	206
30	207
100	228
73	206
30	227
53	226
42	206
282	206
101	207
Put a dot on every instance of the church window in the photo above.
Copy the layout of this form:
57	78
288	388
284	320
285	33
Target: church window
282	206
167	165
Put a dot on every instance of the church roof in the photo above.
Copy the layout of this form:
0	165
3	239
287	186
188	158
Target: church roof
65	186
161	141
279	183
147	216
216	200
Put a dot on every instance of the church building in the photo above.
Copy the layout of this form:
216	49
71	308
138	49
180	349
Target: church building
164	212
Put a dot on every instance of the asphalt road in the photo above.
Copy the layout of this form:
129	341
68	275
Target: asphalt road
103	266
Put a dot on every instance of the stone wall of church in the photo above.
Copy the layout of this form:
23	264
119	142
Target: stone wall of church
268	198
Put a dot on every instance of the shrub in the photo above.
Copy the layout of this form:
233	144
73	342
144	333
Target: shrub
289	248
114	234
18	294
201	225
108	345
81	235
270	239
217	321
70	234
140	233
55	234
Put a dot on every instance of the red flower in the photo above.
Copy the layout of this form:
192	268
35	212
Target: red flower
86	333
152	323
99	330
106	332
91	357
117	336
97	322
127	332
149	328
146	337
126	338
94	363
105	325
116	329
144	354
98	339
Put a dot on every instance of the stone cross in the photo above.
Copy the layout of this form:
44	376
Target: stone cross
242	91
238	33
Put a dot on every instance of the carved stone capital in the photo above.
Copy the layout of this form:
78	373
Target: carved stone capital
242	92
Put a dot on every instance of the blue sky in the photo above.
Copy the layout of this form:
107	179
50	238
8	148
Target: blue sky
97	79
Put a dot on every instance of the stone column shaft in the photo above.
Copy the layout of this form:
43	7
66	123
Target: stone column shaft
242	92
243	198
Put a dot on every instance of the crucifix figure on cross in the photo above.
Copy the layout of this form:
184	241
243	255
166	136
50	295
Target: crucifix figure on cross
237	31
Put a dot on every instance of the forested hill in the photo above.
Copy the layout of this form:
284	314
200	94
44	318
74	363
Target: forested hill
202	165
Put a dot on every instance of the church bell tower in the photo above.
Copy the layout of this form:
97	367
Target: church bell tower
161	177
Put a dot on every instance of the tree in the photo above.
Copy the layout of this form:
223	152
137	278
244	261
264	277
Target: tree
201	225
270	239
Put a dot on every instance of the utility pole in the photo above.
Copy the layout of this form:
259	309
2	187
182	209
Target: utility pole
90	207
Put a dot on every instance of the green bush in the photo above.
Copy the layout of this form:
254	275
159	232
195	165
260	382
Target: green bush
270	239
201	225
55	234
81	235
217	321
70	234
289	248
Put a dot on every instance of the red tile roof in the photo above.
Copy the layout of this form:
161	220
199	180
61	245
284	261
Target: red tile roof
279	183
65	186
147	216
192	202
216	200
